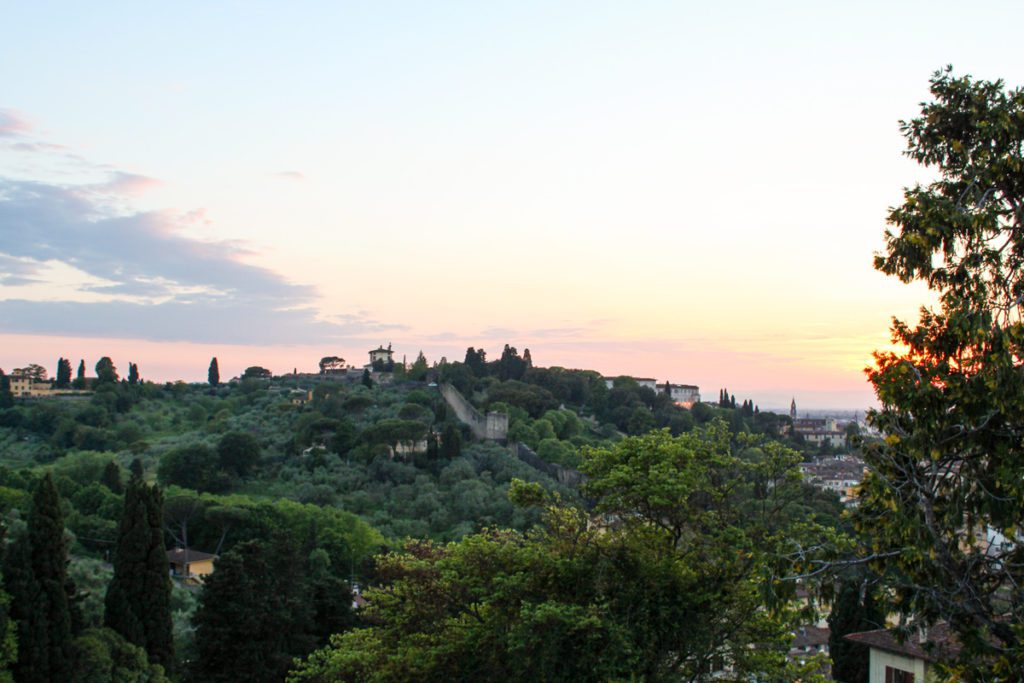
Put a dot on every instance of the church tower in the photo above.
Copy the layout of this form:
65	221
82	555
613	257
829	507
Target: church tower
792	410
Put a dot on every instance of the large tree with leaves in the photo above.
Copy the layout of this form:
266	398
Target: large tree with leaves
666	579
944	501
138	597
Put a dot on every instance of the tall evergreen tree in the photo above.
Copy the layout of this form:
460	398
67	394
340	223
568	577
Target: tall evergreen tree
8	632
111	477
79	382
133	373
256	614
213	374
138	601
63	373
853	610
6	399
37	570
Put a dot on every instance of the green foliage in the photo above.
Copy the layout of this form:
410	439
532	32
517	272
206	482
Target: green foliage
104	656
63	379
941	508
238	453
533	399
106	373
213	373
256	372
193	467
583	599
854	609
138	597
36	569
264	605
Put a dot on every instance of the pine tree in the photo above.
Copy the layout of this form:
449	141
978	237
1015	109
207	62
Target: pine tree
105	371
37	571
138	598
213	374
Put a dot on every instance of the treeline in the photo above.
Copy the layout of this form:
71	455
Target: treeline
285	563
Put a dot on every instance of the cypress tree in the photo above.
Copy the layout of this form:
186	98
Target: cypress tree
111	477
213	374
854	610
37	571
254	614
138	597
133	373
79	382
6	399
63	373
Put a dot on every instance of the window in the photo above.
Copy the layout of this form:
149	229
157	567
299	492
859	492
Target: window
898	675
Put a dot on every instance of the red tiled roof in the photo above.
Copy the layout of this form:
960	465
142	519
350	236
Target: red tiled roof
186	555
940	643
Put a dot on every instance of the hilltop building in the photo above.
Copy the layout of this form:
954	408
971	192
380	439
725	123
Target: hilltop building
685	395
381	357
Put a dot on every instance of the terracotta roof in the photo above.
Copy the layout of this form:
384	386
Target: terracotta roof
811	636
940	643
186	555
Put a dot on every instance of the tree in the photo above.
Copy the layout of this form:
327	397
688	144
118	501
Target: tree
256	372
213	374
79	382
6	398
684	532
106	373
329	364
8	633
191	467
941	503
238	453
418	371
103	656
476	360
133	374
111	477
854	609
37	569
138	600
367	381
63	373
253	615
451	442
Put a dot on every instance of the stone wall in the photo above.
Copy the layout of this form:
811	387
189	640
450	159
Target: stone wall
493	427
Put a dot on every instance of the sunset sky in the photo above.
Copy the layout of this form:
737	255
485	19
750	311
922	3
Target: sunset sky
686	191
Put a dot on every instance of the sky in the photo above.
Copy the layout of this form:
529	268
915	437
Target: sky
687	191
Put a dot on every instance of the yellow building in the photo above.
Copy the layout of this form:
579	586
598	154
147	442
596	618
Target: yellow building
190	565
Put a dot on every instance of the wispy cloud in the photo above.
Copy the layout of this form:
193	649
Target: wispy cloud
13	124
291	175
15	272
153	280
